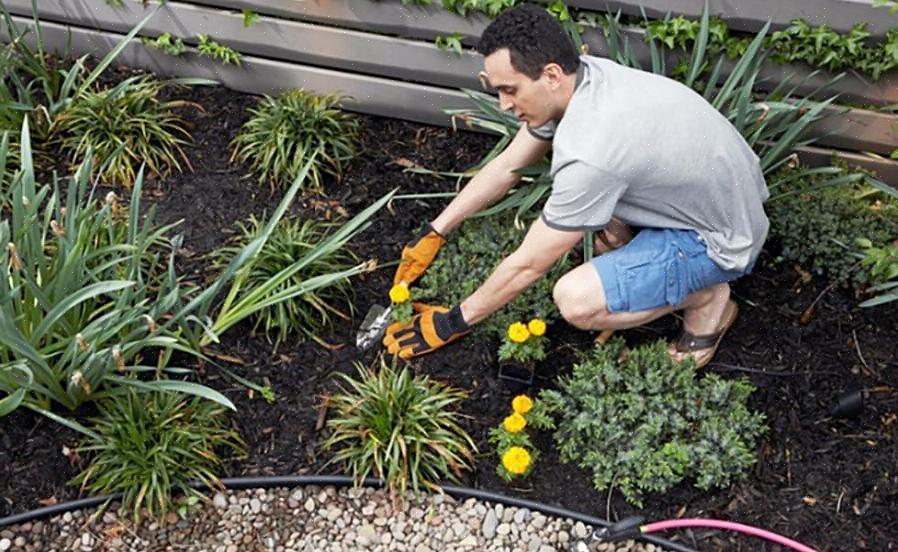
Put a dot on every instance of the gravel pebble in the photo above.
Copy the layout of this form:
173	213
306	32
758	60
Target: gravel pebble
315	519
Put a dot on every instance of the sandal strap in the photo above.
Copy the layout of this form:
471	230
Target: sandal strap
603	237
689	342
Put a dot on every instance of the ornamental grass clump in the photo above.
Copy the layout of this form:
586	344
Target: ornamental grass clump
283	131
513	446
399	427
643	423
290	242
87	288
125	126
152	446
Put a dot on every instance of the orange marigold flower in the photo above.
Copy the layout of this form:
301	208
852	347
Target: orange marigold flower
522	404
518	332
514	423
537	327
516	460
399	293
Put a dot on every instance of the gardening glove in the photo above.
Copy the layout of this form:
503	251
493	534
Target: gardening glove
418	254
427	331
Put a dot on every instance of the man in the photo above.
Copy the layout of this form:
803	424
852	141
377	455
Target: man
631	150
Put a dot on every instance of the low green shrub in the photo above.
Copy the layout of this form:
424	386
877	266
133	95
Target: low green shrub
817	223
399	427
642	423
289	243
467	260
125	126
150	446
284	131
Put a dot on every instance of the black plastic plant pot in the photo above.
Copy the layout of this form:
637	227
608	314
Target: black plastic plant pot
849	405
515	376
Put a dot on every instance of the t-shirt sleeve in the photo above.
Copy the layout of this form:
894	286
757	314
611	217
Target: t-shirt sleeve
583	197
543	132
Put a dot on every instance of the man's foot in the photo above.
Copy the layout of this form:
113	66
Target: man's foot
703	347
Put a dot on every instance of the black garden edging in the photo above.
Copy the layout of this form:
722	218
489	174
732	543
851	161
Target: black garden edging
235	483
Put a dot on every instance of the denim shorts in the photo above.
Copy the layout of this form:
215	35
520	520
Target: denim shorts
660	266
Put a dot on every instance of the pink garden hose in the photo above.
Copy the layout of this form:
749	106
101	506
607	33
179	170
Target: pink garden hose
728	525
633	526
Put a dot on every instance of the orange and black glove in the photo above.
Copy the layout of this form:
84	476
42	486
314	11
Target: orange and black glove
418	254
426	332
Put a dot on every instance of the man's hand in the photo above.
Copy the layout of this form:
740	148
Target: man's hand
427	331
417	255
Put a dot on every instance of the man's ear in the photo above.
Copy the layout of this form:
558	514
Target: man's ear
553	74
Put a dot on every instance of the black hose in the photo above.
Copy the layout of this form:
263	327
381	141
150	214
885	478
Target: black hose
342	481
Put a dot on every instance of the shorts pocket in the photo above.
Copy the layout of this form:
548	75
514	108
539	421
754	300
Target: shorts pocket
652	284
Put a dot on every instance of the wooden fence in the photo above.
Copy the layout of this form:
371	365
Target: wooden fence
381	53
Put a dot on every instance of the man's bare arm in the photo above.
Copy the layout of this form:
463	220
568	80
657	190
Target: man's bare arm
537	253
493	181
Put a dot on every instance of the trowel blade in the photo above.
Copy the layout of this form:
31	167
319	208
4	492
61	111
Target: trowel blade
373	326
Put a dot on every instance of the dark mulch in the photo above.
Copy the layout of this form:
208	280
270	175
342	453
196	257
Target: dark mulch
828	482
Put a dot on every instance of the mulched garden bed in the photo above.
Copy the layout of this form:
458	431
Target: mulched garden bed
831	483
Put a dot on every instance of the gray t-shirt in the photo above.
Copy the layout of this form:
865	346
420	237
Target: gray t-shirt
654	153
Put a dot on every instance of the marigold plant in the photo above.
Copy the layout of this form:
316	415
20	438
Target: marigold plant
510	439
524	342
401	308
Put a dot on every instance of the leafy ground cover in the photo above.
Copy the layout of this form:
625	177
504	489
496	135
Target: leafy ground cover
829	482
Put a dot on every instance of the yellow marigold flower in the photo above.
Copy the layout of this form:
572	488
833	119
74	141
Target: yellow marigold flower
399	293
537	327
514	423
516	460
518	332
522	404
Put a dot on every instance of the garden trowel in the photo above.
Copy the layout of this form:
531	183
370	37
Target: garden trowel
373	326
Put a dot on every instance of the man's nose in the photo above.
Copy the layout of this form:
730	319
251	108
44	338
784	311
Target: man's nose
505	103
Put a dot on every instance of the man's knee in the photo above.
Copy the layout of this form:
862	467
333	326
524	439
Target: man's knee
579	308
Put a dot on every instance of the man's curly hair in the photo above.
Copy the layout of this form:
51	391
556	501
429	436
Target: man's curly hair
533	38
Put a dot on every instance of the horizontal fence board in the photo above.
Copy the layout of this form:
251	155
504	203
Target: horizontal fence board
372	95
886	169
303	43
371	54
391	16
751	15
851	87
427	22
387	16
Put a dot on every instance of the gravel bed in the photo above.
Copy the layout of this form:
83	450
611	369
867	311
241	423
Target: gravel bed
313	519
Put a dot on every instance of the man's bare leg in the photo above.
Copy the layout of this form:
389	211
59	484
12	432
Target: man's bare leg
580	297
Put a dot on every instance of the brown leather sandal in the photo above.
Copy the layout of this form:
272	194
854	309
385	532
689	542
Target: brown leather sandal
703	347
612	240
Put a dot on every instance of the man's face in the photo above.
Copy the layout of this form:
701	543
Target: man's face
530	100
